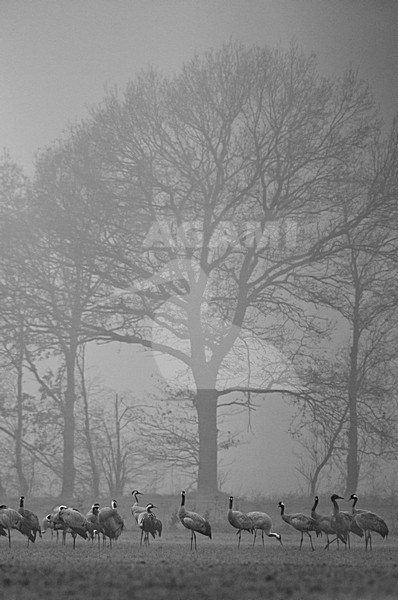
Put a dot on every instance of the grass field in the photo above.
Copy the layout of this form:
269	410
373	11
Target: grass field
218	570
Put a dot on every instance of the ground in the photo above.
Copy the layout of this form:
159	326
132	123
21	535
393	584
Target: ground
167	569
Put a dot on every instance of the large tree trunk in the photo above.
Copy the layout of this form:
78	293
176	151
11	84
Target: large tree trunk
206	406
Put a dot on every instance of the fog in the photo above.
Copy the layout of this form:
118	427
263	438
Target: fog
266	460
57	59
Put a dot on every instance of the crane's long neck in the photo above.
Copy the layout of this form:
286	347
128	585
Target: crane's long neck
315	504
335	506
231	500
355	500
181	510
21	502
282	507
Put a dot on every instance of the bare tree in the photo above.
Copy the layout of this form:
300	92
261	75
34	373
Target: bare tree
358	283
117	447
61	279
230	180
167	431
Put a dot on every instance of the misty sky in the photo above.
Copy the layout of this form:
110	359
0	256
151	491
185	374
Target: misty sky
57	57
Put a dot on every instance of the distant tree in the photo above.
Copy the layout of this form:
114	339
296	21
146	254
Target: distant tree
117	449
60	272
320	424
13	307
360	285
90	466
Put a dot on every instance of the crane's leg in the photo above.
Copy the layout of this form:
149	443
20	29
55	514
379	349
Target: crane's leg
191	538
309	535
194	537
9	538
262	536
368	540
255	535
301	541
240	536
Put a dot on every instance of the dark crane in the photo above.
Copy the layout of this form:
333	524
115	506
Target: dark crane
324	524
368	521
11	519
32	520
299	521
111	522
238	519
193	521
149	524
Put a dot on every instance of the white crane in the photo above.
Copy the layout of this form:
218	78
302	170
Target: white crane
238	519
193	521
262	521
368	521
299	521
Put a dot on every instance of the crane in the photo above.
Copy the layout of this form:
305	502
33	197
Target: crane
148	523
74	519
46	524
262	521
340	523
136	509
94	526
343	522
299	521
240	520
368	521
31	519
324	524
111	522
193	521
11	519
59	525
